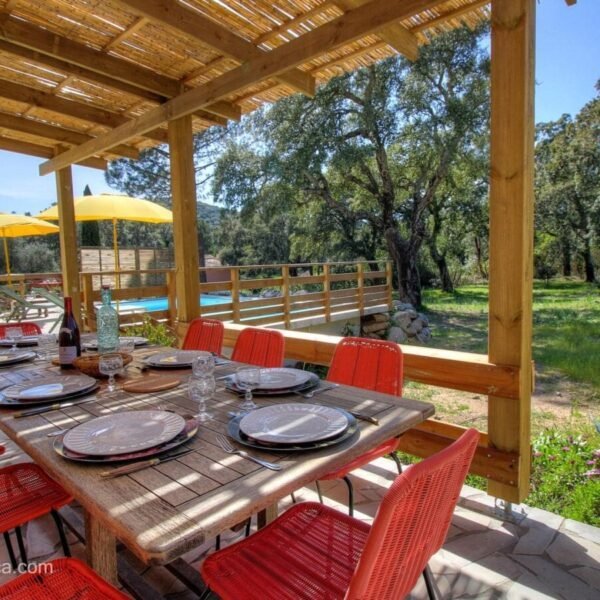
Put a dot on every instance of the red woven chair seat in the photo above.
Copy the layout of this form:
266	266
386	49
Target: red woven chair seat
26	492
387	447
60	579
310	552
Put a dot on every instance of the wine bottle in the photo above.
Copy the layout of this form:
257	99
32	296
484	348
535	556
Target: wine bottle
69	343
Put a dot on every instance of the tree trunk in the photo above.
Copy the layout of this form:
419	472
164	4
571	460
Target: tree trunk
479	254
405	260
590	274
566	258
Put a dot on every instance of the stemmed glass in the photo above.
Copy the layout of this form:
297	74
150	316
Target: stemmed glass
247	379
200	390
203	365
46	344
110	364
14	334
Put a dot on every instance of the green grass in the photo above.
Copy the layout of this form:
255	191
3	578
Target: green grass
566	325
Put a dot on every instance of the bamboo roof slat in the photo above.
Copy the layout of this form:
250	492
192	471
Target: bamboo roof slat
113	28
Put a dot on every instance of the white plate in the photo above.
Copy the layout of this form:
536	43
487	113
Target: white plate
282	378
26	340
49	387
125	432
293	423
11	358
174	358
92	343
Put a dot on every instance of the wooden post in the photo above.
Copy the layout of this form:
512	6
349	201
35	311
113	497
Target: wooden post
185	230
389	282
327	291
286	293
511	229
172	297
100	548
88	301
234	275
68	239
360	282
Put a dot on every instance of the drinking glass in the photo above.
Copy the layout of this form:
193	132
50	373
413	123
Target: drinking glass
14	334
203	365
127	345
200	390
110	364
247	379
46	345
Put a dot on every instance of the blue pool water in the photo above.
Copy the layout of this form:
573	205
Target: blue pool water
162	303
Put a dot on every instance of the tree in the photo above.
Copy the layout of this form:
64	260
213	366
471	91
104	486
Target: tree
89	230
372	149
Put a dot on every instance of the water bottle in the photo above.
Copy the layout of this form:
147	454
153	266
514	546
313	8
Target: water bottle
107	320
69	344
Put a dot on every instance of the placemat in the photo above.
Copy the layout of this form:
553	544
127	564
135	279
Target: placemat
145	385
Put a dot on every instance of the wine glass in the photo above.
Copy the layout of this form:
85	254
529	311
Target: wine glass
127	345
14	334
110	364
203	365
247	379
201	389
46	345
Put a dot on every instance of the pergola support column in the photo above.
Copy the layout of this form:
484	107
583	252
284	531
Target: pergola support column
185	234
511	229
68	240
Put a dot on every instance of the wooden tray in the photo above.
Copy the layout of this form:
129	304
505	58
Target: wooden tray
146	385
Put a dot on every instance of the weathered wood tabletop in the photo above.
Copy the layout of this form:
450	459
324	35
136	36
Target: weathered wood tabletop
162	512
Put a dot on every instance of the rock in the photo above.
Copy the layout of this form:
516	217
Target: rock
299	293
414	327
424	335
396	334
372	336
380	317
402	319
270	294
403	305
375	327
424	319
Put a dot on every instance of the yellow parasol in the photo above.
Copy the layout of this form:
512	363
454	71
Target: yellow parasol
21	226
112	207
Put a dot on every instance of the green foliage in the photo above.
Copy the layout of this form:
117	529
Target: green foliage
156	333
566	476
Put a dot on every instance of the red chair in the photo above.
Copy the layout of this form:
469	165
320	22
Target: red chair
260	347
205	334
60	579
26	493
315	552
26	327
373	365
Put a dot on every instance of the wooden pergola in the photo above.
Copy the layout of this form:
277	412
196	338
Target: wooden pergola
84	82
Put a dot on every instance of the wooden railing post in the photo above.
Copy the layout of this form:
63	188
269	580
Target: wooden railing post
360	282
234	275
87	285
327	291
172	297
286	292
389	282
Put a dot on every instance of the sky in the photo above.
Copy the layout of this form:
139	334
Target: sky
567	68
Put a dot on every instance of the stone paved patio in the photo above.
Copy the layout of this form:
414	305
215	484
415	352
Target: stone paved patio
525	555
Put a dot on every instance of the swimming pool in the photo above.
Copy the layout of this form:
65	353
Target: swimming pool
163	304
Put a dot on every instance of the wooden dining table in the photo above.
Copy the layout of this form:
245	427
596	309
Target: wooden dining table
162	512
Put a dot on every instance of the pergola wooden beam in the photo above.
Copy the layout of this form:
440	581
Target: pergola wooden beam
216	36
70	108
11	145
18	32
57	134
395	35
349	27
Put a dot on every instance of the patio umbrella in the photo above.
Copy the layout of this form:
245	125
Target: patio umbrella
21	226
112	207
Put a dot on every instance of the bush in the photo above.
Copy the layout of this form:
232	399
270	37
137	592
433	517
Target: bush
155	332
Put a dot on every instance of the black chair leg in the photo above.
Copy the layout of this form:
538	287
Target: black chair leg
21	545
397	461
293	497
11	552
319	492
350	496
218	542
248	525
430	584
61	532
205	594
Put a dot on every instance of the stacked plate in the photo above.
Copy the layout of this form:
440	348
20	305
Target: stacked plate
7	359
47	390
174	359
22	342
125	436
279	381
91	343
293	427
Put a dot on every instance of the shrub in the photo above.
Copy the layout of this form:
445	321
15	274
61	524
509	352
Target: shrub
155	332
